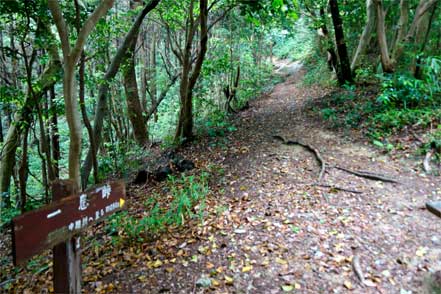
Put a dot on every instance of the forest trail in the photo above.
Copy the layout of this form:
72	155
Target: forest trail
278	234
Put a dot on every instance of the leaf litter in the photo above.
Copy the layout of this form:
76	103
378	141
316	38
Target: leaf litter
264	231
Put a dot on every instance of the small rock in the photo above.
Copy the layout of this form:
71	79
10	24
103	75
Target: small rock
203	282
240	231
141	177
185	165
386	273
318	254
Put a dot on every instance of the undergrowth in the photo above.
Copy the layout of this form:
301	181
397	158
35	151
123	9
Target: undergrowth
185	200
400	102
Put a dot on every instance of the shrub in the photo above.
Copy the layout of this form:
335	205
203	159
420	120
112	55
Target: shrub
187	201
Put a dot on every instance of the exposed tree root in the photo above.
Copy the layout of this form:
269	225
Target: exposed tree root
338	188
331	187
310	148
357	268
368	175
363	174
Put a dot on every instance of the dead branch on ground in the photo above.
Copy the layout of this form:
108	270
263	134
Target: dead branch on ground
357	268
427	160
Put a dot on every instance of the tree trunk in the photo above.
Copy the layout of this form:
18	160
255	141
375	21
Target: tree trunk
323	32
386	61
345	65
423	7
153	73
184	130
422	37
185	111
73	120
144	60
367	32
134	107
401	28
101	107
45	159
12	140
1	126
23	171
55	137
83	108
71	57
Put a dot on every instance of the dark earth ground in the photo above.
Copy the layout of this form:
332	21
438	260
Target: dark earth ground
268	230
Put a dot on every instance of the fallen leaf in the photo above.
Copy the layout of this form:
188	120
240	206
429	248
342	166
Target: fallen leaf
169	269
348	285
369	283
157	263
281	261
421	251
229	280
246	269
287	288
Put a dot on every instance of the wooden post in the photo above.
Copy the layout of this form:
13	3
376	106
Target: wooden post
67	255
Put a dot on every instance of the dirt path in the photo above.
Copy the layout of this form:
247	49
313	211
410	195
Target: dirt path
266	231
273	234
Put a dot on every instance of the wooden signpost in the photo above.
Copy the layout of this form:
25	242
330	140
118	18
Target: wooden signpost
58	224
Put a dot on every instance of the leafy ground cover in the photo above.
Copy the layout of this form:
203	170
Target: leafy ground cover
266	226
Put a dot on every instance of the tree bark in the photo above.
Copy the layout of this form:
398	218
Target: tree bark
345	65
423	7
22	171
83	108
134	107
367	33
422	37
386	61
71	57
55	137
101	107
401	27
12	140
152	72
184	130
1	126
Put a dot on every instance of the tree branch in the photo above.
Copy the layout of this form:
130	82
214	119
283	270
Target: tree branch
88	26
61	25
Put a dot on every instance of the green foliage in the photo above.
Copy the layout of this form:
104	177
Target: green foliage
295	44
404	91
318	72
433	143
186	200
189	196
394	119
329	114
435	139
121	158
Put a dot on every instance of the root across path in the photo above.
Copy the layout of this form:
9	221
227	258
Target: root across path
347	219
284	220
324	213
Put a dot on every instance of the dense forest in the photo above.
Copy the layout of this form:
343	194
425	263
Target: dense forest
187	100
